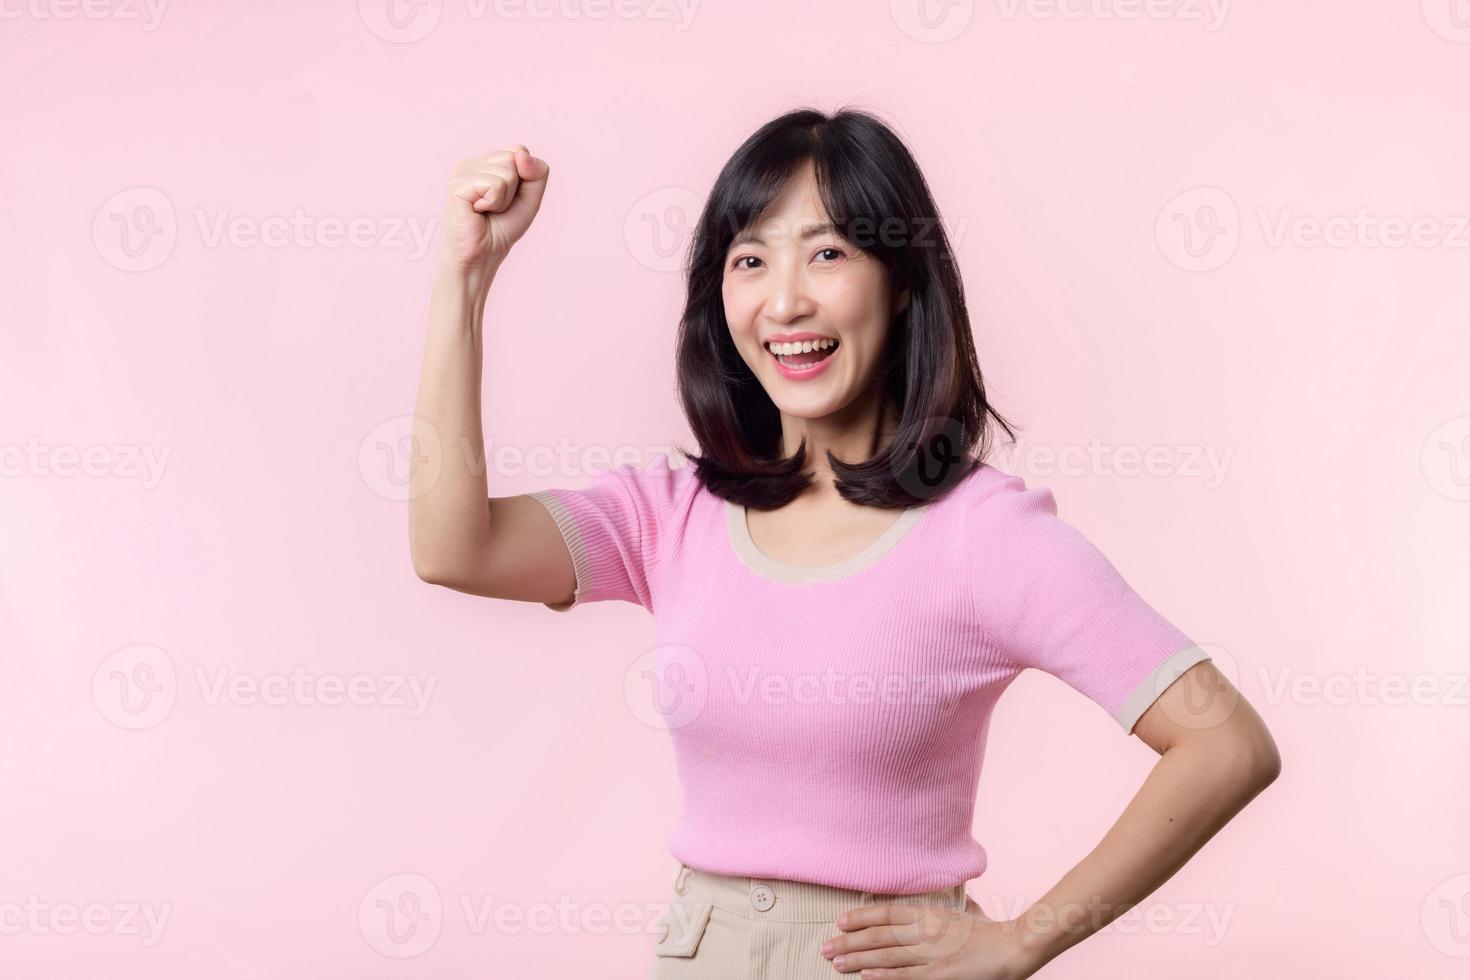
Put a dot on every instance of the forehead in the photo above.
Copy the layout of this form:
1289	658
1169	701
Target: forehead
795	215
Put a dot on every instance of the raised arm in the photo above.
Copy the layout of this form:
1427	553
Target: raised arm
459	536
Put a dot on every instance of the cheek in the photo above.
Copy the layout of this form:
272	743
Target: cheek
853	303
739	311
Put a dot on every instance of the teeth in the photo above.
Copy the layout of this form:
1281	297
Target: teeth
801	346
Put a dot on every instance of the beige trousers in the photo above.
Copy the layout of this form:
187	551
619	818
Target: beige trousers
720	927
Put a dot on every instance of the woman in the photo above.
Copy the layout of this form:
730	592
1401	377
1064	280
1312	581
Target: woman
842	588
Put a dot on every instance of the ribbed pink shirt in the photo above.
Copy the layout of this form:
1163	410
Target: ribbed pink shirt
829	721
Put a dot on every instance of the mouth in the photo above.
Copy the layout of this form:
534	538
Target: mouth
802	356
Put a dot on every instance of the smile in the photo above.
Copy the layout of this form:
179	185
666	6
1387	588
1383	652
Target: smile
802	359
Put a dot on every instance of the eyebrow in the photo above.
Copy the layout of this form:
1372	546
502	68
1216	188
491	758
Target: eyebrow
812	232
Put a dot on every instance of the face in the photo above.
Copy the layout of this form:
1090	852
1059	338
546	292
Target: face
809	312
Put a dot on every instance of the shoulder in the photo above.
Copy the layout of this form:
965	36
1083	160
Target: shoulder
652	497
656	483
995	501
1012	532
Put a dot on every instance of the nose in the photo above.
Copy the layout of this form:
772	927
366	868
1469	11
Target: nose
788	299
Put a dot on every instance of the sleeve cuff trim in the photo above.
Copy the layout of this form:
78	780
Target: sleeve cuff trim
1154	685
580	562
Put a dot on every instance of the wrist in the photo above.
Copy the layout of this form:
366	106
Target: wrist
473	281
1031	947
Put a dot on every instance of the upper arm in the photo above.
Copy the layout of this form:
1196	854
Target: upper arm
1049	599
1203	704
524	557
564	547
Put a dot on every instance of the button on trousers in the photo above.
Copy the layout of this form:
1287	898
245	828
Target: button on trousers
723	927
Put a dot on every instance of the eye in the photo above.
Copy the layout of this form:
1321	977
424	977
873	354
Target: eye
837	252
736	264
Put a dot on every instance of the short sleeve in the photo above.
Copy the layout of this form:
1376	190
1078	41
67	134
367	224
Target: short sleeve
1049	599
612	529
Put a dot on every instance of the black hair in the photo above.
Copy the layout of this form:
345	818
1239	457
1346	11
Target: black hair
879	202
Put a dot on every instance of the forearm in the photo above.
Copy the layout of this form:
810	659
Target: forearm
1194	789
449	520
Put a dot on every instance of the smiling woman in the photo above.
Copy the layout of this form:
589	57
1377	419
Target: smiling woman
840	524
825	314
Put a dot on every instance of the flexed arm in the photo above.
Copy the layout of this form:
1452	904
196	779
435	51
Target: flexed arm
459	536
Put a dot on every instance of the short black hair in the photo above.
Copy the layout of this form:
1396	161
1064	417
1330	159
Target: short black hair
877	198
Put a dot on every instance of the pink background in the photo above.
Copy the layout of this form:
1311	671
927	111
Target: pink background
1116	189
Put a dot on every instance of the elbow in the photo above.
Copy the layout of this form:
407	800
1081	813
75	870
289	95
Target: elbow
431	571
1264	766
1256	761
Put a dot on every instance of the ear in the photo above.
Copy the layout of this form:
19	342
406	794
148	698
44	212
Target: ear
903	302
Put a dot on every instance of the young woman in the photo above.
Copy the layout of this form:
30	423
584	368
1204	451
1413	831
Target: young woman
842	587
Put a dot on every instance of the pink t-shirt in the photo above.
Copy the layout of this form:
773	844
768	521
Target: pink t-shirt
829	721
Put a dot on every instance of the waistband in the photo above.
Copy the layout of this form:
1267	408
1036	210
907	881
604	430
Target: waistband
783	900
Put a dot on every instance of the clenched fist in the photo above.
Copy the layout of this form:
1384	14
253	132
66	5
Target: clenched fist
492	201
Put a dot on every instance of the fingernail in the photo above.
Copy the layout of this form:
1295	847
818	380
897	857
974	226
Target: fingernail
826	948
838	962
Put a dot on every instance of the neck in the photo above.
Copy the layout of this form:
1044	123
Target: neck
855	433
